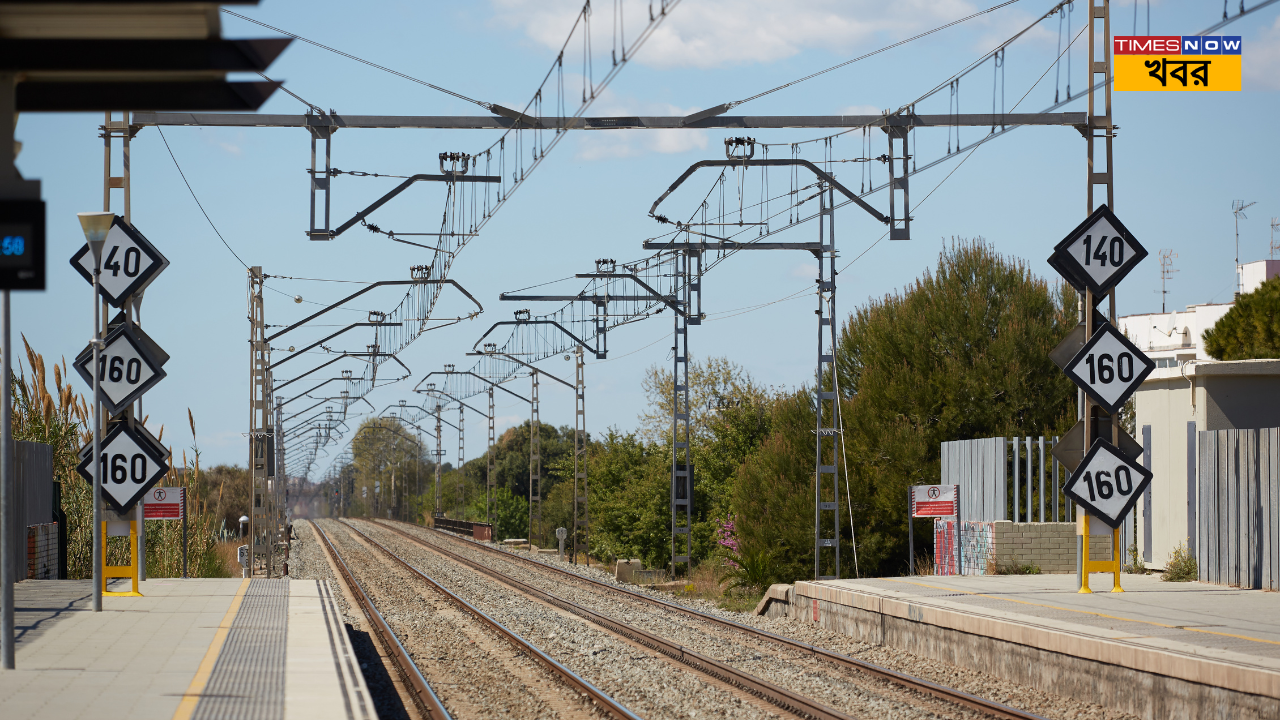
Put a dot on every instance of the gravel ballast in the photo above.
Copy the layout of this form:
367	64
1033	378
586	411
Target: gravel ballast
823	681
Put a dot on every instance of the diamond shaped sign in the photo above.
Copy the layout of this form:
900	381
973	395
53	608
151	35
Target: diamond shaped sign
1109	368
130	464
126	367
129	262
1107	484
1098	254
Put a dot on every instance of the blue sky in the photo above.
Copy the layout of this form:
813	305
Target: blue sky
1181	159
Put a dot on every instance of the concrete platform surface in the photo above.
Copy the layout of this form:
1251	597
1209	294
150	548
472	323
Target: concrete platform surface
187	649
1211	634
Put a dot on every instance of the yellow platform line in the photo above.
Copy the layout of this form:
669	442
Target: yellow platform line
1085	612
191	697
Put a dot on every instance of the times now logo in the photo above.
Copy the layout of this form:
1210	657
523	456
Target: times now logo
1176	45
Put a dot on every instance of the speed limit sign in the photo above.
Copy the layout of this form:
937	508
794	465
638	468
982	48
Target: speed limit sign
1109	368
130	464
1107	483
126	367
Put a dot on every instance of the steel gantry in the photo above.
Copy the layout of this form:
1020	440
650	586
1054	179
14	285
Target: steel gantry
465	387
535	429
523	325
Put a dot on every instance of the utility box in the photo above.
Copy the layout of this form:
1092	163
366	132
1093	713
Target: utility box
482	531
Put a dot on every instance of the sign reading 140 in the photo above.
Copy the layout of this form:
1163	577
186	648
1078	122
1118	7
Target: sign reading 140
1098	253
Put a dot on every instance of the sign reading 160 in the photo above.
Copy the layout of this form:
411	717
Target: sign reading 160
1104	368
124	468
1104	486
117	369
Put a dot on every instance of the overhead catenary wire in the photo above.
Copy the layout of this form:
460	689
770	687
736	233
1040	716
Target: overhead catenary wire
460	96
731	105
214	227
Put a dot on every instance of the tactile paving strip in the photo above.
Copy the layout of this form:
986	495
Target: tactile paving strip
248	680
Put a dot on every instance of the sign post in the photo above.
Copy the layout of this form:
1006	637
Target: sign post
931	501
1106	482
21	268
119	263
168	503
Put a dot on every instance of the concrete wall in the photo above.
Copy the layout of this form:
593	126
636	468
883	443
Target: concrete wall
1049	546
1146	693
1214	396
1240	402
1164	403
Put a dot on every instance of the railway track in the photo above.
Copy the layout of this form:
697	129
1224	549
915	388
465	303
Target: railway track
424	697
599	699
771	693
949	695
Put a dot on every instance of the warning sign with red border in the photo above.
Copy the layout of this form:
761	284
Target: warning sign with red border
163	503
935	500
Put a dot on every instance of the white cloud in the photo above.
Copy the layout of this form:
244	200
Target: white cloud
808	271
716	33
618	144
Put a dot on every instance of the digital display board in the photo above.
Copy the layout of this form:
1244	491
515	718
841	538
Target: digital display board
22	245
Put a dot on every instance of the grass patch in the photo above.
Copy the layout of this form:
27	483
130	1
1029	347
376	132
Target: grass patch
996	567
704	583
1181	566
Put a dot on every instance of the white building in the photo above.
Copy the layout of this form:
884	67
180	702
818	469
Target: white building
1190	392
1171	339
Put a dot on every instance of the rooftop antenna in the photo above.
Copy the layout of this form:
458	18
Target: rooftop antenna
1166	273
1275	223
1237	208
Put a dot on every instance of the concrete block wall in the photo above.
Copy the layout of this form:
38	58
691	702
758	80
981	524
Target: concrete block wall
1051	546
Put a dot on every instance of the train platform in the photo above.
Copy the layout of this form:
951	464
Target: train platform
188	649
1156	650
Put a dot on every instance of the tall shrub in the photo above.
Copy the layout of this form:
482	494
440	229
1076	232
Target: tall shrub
961	353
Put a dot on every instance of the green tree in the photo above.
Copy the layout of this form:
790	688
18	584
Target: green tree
388	463
961	353
510	513
714	383
1251	329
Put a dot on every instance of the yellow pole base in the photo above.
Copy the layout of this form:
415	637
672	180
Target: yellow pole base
122	571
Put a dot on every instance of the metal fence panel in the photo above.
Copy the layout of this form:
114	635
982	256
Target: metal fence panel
1273	529
1238	507
1250	575
1000	477
1219	516
1265	519
1193	498
1204	451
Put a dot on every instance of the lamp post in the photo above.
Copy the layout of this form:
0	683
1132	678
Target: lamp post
96	225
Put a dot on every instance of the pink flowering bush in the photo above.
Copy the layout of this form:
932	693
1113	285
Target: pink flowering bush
726	537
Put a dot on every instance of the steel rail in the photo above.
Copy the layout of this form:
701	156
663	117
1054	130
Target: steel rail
776	695
423	695
952	695
598	696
